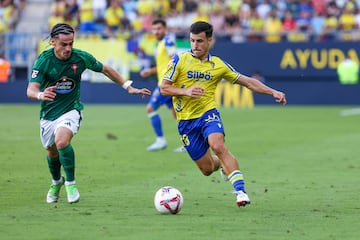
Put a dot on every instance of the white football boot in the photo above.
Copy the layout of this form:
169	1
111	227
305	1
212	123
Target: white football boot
242	199
159	144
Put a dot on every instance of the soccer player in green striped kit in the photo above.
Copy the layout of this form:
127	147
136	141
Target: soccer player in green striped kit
55	81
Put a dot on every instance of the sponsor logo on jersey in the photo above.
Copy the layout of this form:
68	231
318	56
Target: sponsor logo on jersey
65	85
199	76
34	73
213	118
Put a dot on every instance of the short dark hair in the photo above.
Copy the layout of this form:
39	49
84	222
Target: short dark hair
61	28
200	26
159	21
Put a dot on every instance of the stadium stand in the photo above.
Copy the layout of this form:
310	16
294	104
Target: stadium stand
234	21
313	20
26	29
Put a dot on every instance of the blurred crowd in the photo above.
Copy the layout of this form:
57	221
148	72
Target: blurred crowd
235	20
10	13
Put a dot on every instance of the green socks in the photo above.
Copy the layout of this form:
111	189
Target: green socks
67	159
54	167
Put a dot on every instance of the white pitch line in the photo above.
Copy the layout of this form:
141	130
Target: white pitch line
350	112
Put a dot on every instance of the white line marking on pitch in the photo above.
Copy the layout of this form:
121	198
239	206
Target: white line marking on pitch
350	112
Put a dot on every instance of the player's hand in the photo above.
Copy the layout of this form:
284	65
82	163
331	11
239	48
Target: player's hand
279	97
49	94
142	91
145	73
195	91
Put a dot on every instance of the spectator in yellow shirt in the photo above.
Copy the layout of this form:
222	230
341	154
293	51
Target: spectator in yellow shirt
145	7
256	27
330	26
347	23
113	15
87	20
273	28
10	15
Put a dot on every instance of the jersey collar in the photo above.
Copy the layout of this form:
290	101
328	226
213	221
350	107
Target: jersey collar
208	58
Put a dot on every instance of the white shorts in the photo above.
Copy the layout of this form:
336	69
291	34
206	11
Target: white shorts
70	120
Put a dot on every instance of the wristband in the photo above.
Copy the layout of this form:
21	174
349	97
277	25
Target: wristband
127	84
39	95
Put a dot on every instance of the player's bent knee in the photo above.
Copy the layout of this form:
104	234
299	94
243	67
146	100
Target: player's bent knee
218	148
61	143
206	172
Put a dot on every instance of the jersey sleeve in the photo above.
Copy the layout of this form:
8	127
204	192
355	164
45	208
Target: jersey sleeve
39	68
91	62
230	74
172	71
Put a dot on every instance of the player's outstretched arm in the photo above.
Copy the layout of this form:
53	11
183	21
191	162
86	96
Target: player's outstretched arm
142	91
112	74
258	87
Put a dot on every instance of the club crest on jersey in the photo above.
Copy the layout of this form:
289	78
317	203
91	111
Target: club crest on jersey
74	67
64	85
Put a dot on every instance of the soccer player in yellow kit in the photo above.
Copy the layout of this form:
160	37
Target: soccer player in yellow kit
166	48
191	79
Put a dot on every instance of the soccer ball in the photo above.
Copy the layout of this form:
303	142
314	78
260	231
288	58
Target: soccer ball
168	200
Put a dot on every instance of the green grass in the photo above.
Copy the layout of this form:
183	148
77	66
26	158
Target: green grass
301	165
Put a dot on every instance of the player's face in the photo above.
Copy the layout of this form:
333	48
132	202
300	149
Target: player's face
200	45
63	45
159	31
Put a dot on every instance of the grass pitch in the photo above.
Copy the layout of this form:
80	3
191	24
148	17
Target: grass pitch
301	166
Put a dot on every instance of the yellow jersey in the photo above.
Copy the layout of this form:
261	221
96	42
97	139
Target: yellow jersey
165	50
113	16
185	70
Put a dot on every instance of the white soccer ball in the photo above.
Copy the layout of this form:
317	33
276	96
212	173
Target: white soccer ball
168	200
